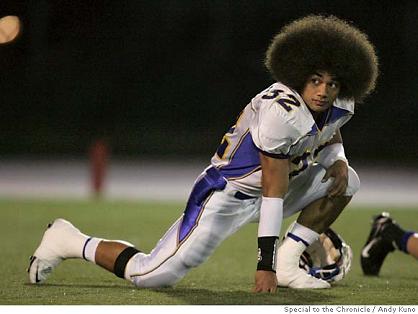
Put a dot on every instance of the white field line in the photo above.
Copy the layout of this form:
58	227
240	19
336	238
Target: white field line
171	181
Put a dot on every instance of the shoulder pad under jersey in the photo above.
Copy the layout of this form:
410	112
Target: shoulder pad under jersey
280	119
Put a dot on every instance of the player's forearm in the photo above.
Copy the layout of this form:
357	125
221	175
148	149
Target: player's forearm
275	181
271	217
332	152
275	174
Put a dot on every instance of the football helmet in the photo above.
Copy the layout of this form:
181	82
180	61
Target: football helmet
329	258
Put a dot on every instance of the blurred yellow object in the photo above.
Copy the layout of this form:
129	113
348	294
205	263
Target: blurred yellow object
9	28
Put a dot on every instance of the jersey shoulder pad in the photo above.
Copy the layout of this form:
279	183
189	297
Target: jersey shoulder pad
272	130
283	101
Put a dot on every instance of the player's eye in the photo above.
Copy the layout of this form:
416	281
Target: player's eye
334	85
315	81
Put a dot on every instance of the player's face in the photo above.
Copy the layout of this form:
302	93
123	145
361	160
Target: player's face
320	91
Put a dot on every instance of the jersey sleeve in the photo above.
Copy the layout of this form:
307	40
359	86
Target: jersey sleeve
272	132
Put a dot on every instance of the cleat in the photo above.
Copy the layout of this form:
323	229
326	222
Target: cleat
377	246
299	279
53	249
288	272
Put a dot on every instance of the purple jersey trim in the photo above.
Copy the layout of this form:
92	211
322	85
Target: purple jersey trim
276	156
314	130
244	160
337	113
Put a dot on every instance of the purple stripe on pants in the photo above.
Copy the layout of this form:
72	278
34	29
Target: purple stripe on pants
211	181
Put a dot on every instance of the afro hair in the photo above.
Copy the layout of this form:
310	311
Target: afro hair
318	43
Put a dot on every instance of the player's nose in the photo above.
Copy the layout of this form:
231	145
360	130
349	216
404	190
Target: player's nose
322	91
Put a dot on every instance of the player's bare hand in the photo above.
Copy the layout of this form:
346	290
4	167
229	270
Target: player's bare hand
338	171
265	281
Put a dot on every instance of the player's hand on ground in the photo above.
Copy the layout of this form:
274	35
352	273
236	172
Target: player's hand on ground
265	281
338	171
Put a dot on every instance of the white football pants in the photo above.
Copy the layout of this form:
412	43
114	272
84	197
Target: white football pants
214	212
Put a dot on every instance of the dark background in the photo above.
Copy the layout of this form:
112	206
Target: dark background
166	79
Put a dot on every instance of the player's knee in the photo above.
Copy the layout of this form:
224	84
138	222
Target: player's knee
204	245
195	258
159	275
353	182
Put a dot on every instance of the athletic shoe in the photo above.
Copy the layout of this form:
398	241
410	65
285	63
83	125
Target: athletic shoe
61	240
377	246
288	272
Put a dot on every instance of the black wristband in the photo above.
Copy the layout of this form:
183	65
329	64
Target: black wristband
267	253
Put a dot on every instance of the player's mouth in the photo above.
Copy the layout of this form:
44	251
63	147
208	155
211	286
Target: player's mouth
320	103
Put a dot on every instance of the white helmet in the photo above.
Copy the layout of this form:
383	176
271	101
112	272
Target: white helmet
328	258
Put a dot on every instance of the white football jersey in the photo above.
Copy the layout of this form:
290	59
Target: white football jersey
278	123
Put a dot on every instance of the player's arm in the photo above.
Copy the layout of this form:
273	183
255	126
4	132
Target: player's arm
275	181
275	176
332	157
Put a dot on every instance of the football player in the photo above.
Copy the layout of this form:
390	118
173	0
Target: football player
283	155
386	236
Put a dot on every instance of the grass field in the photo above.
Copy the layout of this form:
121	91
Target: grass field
227	277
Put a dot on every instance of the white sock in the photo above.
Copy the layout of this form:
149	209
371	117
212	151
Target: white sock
74	243
304	234
89	249
289	253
